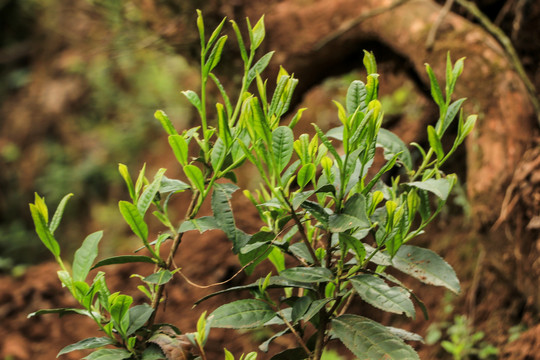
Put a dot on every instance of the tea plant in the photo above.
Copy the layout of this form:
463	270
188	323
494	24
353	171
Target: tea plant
335	219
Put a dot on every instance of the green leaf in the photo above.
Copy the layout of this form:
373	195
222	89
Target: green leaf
300	250
39	202
369	62
300	307
134	219
90	343
426	266
435	89
224	217
172	185
180	148
138	316
241	45
435	142
43	231
123	170
368	339
291	354
282	146
375	291
405	335
439	187
308	275
328	145
58	213
258	33
108	354
342	222
61	312
356	97
119	309
153	352
124	259
195	176
451	113
242	314
314	308
165	122
264	346
355	244
306	173
259	67
159	278
215	55
201	224
393	145
193	99
85	256
356	206
317	211
149	193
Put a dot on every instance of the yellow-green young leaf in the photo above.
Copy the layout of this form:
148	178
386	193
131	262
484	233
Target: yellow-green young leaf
435	89
342	114
296	118
356	97
85	256
306	173
43	231
159	278
140	182
282	146
149	193
228	355
435	142
119	309
123	170
369	62
193	99
200	27
215	55
134	219
39	202
258	33
58	213
165	122
195	176
241	45
180	148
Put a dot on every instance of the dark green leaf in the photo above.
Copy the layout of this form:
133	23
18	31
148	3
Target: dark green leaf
138	316
356	97
159	278
165	122
58	213
291	354
426	266
368	339
108	354
153	352
90	343
375	291
354	244
134	219
43	231
300	307
61	312
85	256
300	250
124	259
380	258
242	314
317	211
219	152
314	308
393	145
308	275
264	346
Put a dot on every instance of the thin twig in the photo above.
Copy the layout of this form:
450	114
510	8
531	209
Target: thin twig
345	27
433	31
509	49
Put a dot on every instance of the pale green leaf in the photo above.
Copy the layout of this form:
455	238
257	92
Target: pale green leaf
201	224
165	122
259	67
138	316
393	145
193	99
108	354
343	222
58	213
159	278
45	235
356	97
282	146
180	148
439	187
149	193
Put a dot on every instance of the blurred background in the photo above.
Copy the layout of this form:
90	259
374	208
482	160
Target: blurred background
80	81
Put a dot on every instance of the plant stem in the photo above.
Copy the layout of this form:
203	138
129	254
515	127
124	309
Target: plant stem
190	213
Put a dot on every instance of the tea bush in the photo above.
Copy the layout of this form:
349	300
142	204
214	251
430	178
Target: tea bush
329	208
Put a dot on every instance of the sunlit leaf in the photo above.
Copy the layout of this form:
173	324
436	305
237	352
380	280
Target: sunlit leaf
85	256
